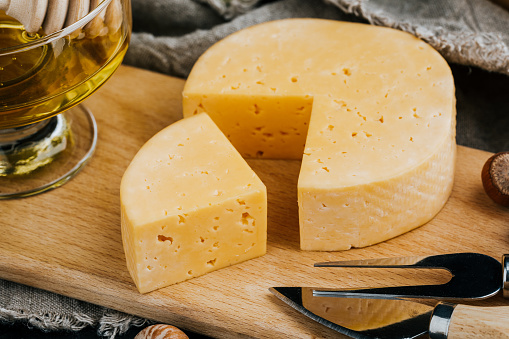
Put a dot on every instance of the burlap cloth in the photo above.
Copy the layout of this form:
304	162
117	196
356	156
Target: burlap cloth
169	35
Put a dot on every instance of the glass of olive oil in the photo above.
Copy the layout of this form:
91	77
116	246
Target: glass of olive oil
46	135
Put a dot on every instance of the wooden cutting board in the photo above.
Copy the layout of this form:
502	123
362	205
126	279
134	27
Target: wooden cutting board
68	240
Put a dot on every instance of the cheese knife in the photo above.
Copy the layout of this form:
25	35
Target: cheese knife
365	318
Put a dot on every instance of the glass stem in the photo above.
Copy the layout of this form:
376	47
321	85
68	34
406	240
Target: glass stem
9	136
25	149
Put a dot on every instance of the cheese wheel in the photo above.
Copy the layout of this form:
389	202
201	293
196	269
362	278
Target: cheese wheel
370	110
190	205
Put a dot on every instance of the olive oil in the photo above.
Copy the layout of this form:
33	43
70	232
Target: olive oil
42	81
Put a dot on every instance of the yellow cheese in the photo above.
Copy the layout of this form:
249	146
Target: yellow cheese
374	107
361	314
190	205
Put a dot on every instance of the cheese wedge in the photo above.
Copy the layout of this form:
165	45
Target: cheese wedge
371	109
190	205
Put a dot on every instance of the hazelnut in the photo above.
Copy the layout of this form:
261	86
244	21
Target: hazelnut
161	331
495	178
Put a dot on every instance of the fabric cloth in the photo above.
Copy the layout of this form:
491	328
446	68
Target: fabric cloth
169	36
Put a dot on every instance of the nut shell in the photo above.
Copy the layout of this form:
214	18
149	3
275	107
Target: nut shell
495	178
161	331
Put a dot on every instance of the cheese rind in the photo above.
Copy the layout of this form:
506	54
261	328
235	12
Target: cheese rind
376	211
190	205
378	108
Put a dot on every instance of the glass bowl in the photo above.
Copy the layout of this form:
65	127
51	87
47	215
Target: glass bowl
46	135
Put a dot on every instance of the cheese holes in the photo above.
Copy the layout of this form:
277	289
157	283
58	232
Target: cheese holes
212	262
247	219
163	238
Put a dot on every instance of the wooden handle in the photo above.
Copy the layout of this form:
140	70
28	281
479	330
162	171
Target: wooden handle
479	322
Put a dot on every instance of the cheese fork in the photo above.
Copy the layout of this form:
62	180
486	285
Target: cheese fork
474	276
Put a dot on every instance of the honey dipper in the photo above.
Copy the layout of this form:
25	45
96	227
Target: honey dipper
51	15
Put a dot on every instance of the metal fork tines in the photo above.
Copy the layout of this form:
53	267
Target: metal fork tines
474	276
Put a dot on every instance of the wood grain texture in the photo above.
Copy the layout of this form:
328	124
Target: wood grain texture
479	322
68	240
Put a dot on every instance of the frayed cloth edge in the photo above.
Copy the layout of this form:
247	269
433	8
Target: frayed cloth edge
110	324
48	322
113	323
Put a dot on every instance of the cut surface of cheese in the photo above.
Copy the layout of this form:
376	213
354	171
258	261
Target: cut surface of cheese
359	314
370	110
190	204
